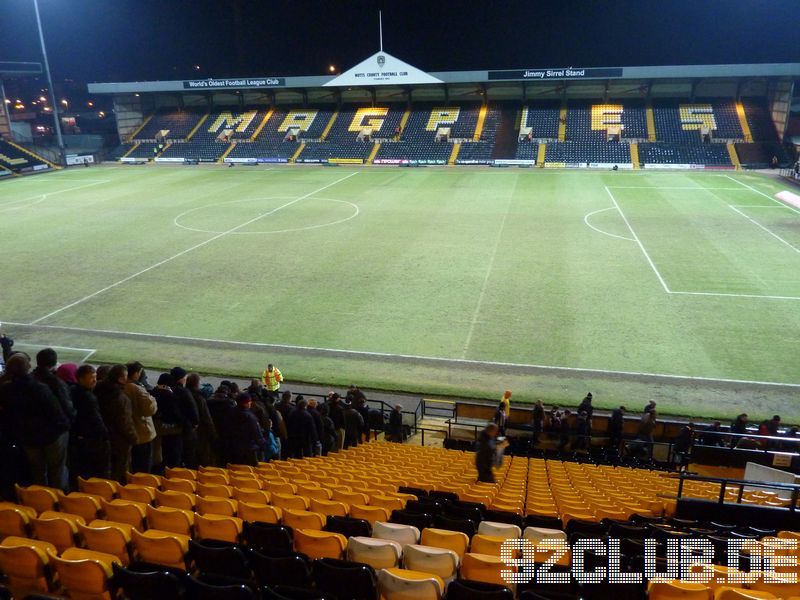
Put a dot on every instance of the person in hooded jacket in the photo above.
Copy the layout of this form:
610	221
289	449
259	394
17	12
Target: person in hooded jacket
117	413
143	407
89	446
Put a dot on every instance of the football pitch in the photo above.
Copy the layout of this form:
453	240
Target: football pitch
678	286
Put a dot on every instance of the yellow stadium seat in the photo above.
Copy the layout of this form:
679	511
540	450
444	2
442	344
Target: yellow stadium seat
137	493
786	535
350	498
779	590
428	559
125	511
369	513
25	563
161	547
456	541
319	544
59	529
217	506
729	593
259	512
180	473
79	503
187	486
218	527
175	520
486	544
377	553
483	567
251	495
110	538
329	507
404	584
303	519
312	492
145	479
388	502
677	590
214	490
290	501
105	488
15	520
38	497
280	487
217	478
247	483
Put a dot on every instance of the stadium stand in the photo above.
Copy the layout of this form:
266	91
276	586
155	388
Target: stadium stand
418	139
351	136
16	158
176	123
45	549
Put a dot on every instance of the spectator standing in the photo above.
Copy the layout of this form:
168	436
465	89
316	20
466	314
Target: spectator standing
581	431
489	453
396	424
285	408
169	424
143	407
319	426
647	426
218	406
711	437
586	407
272	378
538	420
565	432
616	425
500	419
241	433
191	418
337	416
505	401
6	343
117	413
353	425
682	446
34	419
328	439
68	373
302	431
89	446
739	426
45	372
206	431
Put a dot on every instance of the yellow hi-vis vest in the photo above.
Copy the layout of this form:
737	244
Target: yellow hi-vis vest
272	379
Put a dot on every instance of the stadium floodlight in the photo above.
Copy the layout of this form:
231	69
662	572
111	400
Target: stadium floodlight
53	102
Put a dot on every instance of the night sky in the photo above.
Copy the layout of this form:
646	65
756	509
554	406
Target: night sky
124	40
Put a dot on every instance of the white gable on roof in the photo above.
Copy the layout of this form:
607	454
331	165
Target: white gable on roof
382	69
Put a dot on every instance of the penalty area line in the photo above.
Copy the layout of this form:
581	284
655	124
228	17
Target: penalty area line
404	357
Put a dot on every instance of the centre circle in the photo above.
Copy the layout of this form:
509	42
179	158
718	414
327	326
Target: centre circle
183	220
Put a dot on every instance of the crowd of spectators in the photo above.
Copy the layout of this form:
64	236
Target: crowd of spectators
59	422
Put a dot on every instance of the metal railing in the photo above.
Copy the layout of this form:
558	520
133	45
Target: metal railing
741	484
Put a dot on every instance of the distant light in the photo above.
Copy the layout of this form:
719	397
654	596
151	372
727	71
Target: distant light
197	67
90	104
33	103
19	106
8	101
19	101
136	95
42	99
47	109
65	103
101	114
332	68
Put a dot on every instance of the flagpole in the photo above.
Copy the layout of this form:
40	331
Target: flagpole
380	28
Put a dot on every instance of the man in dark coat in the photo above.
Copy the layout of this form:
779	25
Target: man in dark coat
303	436
615	425
487	455
336	413
33	418
191	422
285	408
241	433
46	362
396	424
89	435
319	425
353	426
117	413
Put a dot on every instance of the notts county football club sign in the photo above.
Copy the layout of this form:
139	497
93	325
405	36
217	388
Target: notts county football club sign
382	69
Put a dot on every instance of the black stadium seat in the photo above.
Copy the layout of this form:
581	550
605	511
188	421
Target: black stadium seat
292	570
147	585
347	580
418	520
463	589
348	526
230	561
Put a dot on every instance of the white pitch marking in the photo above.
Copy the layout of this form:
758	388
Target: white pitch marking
775	235
405	356
763	194
738	295
183	252
663	187
486	279
614	235
638	241
89	351
43	197
176	222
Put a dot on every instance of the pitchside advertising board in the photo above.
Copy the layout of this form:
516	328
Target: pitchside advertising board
548	74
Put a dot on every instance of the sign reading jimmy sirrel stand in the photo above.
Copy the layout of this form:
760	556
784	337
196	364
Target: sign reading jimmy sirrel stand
382	69
549	74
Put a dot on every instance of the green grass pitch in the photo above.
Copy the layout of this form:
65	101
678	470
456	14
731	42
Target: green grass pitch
683	287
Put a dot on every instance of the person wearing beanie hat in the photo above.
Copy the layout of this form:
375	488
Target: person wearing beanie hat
68	373
190	415
242	438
